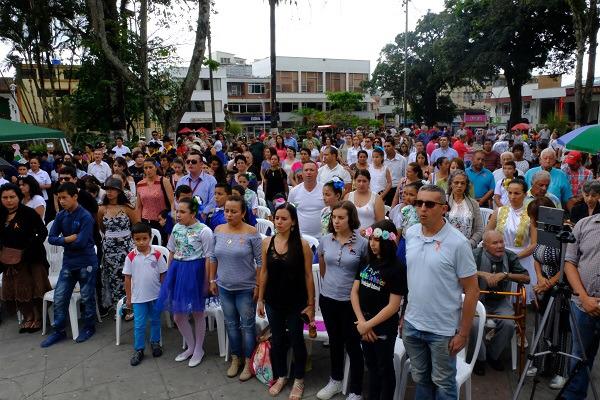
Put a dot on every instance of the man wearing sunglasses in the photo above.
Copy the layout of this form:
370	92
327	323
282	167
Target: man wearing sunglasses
202	184
440	266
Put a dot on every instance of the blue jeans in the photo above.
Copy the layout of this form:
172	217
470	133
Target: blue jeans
589	328
67	279
432	367
141	312
239	310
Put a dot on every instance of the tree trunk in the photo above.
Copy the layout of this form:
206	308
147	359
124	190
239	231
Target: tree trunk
592	32
274	110
516	102
144	62
578	11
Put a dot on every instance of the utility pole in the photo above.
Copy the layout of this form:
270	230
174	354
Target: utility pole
404	102
210	76
144	59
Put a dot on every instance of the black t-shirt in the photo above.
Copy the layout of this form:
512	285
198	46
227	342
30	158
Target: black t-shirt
376	284
137	173
276	182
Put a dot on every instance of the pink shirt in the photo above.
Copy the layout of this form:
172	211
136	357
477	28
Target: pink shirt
152	199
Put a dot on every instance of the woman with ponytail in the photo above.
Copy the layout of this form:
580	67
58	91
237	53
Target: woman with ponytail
184	289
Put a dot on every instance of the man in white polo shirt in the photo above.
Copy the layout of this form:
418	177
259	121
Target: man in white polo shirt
120	149
396	163
331	167
308	199
440	267
99	168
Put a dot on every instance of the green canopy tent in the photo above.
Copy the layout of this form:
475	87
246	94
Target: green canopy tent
13	131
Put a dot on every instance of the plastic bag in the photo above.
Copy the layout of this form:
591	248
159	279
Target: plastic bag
260	362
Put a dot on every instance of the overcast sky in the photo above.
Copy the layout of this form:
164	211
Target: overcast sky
353	29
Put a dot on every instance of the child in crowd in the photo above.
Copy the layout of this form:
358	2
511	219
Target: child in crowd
183	291
144	271
333	192
501	191
376	295
73	229
217	216
404	215
250	196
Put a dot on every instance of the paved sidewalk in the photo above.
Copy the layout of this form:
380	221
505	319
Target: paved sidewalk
98	369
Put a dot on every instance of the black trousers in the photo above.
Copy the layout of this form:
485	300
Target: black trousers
389	197
339	320
279	321
379	357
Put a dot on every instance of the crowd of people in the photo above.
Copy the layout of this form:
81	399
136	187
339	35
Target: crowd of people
406	220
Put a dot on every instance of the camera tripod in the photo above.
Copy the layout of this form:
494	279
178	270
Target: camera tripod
560	295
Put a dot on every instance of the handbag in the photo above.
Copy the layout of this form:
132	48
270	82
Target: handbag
260	362
10	256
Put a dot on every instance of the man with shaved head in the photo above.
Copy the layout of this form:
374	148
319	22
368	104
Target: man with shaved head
497	268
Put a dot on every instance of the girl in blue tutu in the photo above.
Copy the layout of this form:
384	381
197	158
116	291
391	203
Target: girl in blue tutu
184	289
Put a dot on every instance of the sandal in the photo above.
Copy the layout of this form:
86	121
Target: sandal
35	326
277	387
25	326
297	390
128	316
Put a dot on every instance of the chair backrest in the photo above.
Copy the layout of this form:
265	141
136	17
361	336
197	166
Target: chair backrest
156	235
480	312
486	213
265	226
387	209
163	250
317	281
262	202
51	250
263	212
313	242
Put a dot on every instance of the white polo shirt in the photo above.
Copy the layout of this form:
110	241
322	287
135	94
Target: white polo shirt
121	151
145	273
397	167
100	171
42	178
309	206
326	174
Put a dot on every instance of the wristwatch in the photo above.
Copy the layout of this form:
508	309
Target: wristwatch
505	275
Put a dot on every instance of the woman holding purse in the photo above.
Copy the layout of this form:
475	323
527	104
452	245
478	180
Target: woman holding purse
22	258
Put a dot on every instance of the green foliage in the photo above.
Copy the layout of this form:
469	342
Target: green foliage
211	64
555	121
235	128
344	101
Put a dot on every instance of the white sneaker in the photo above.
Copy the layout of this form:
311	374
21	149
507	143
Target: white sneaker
331	389
531	371
353	396
557	382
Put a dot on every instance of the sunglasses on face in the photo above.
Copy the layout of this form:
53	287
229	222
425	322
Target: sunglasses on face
194	162
65	179
427	203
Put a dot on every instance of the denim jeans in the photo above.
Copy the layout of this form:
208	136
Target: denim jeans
432	367
286	328
239	310
141	313
67	279
589	328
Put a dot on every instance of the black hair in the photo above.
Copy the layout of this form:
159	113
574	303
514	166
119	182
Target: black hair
363	172
141	227
292	148
224	186
440	161
387	248
295	250
378	151
518	146
164	214
182	189
121	199
220	174
118	138
240	189
34	186
192	205
416	185
243	158
11	186
417	168
520	181
362	152
338	192
304	149
353	220
239	199
67	187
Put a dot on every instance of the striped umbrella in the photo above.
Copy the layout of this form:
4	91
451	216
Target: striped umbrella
586	138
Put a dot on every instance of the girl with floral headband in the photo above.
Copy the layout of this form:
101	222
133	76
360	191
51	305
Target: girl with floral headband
376	295
183	291
332	193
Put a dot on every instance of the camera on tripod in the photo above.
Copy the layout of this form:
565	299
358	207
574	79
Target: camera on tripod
550	226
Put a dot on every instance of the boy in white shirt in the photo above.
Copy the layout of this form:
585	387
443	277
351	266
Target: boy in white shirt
144	271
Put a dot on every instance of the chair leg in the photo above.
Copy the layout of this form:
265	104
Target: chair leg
118	322
513	350
404	379
346	380
98	316
44	316
221	334
73	306
467	389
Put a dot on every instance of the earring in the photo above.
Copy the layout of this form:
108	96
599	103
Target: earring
292	228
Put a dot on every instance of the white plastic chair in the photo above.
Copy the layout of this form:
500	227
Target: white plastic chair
156	235
165	253
399	360
263	212
486	213
73	310
262	202
54	255
263	226
313	242
463	369
387	210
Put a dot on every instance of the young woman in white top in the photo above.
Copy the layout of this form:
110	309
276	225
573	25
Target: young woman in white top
32	194
369	205
381	177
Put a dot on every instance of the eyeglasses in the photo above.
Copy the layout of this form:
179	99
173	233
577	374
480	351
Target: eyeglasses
427	203
64	178
194	162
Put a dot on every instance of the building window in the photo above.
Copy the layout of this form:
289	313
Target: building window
287	107
362	107
336	81
526	107
505	109
225	60
356	81
256	88
314	106
247	108
312	82
204	84
235	89
287	81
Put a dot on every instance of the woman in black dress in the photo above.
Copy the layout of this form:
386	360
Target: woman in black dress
22	258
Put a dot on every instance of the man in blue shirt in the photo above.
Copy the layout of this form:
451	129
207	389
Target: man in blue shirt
202	184
73	229
482	179
444	150
289	141
559	182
